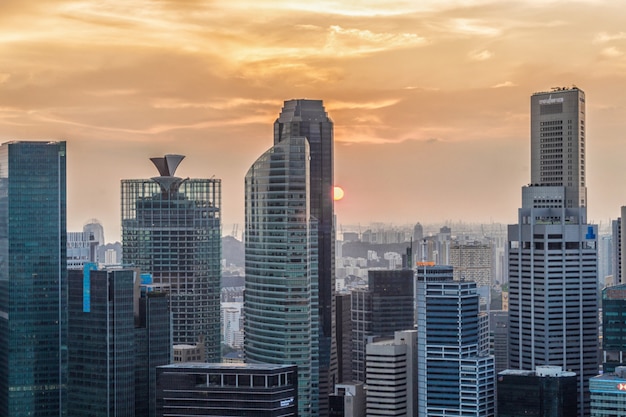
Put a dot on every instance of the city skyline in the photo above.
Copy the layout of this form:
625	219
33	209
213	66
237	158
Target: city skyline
427	100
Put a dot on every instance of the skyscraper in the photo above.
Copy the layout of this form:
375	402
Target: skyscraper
280	300
552	250
101	348
455	376
171	228
119	332
381	309
33	279
308	118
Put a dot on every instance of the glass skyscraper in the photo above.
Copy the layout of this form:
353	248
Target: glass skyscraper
281	295
33	279
308	119
171	228
552	250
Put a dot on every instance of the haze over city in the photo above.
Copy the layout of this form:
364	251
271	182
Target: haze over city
430	99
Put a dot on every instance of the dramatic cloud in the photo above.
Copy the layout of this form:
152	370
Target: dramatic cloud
432	92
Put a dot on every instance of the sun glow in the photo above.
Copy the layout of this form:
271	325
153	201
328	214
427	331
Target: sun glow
337	193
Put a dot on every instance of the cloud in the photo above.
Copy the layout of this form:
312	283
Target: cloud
472	27
350	41
4	77
604	37
370	105
481	55
504	84
611	52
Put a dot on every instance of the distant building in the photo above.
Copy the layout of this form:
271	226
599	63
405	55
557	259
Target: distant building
608	394
613	327
456	376
79	250
223	390
171	228
343	318
381	309
33	279
392	376
232	324
499	330
472	261
189	353
547	391
348	400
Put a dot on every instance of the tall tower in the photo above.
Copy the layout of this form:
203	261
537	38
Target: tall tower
33	279
308	118
280	300
171	228
455	376
552	250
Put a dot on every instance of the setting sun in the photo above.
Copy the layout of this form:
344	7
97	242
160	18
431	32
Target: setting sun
337	193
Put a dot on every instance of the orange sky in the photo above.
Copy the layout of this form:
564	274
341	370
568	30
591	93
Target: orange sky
430	101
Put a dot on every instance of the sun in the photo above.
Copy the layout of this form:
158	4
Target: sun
337	193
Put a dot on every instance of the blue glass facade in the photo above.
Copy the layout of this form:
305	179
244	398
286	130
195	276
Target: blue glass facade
171	228
33	279
281	313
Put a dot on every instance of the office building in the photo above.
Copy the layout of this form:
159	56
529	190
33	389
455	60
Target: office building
547	391
223	390
281	289
153	340
348	400
33	279
616	237
119	332
456	377
499	335
553	309
171	228
343	320
608	394
392	376
613	327
101	348
381	309
308	119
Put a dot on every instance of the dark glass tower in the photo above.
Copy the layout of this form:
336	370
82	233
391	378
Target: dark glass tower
101	349
171	229
33	279
308	118
280	299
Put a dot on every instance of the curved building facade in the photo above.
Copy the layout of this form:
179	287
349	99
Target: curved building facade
281	292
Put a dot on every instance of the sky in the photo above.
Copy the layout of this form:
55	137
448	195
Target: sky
430	99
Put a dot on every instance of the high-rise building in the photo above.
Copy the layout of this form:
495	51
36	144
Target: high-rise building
33	279
547	391
171	228
381	309
101	348
392	376
499	334
308	119
472	261
119	332
344	336
348	400
608	394
455	376
553	309
280	300
614	327
220	389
